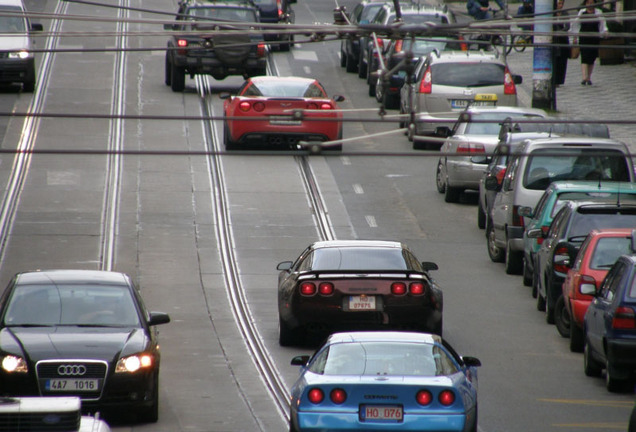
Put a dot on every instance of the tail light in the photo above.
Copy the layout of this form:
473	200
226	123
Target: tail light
560	252
338	396
463	46
325	288
315	395
182	43
398	288
446	397
424	397
417	288
544	230
517	219
509	83
380	47
312	106
470	148
586	280
624	318
307	288
398	45
245	106
326	106
426	85
500	173
258	106
279	4
260	50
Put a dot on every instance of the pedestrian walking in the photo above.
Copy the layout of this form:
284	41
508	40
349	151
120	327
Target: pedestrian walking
561	50
588	27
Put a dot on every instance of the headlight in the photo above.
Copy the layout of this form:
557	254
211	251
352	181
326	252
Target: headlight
11	364
134	362
19	55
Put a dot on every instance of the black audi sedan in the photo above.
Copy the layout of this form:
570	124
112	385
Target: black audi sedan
344	285
80	333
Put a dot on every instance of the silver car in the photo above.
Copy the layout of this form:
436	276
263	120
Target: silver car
447	82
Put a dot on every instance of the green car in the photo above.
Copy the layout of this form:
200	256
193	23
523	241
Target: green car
538	220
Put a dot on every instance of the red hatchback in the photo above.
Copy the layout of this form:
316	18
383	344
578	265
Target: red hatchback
598	253
271	111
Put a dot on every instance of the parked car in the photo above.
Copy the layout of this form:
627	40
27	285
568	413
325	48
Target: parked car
447	82
17	62
80	333
351	284
597	255
610	326
537	163
276	103
563	240
468	144
277	12
385	381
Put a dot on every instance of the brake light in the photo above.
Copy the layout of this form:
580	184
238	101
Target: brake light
398	288
517	219
560	252
280	8
586	281
260	50
258	106
544	230
446	397
463	46
624	318
182	43
325	288
426	85
245	106
326	106
417	288
398	45
338	396
509	84
315	395
380	46
424	397
307	288
470	148
312	106
500	173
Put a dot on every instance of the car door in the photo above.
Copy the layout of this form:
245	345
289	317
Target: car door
544	254
502	204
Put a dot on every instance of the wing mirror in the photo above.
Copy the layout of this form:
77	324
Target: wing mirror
429	266
285	265
492	184
300	360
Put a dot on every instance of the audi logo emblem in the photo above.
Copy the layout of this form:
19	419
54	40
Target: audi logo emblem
73	370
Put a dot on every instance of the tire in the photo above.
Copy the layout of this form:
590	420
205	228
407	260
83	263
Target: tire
151	414
439	181
351	66
391	101
613	384
591	367
452	194
549	308
177	82
495	253
540	300
167	71
227	143
481	217
576	338
562	318
527	275
343	58
362	67
28	86
514	261
287	336
372	90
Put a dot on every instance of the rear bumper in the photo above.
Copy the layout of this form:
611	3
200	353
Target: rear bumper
462	172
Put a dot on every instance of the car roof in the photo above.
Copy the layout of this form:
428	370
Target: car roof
585	206
592	186
357	243
384	336
511	109
16	3
611	232
63	276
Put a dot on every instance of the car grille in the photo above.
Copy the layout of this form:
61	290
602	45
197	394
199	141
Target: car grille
77	369
40	422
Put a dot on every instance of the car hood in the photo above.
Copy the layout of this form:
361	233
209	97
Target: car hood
14	42
73	342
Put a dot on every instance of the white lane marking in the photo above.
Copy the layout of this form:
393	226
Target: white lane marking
345	160
371	221
305	55
357	188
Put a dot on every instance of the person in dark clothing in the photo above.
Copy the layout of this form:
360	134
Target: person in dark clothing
526	10
560	54
588	27
479	9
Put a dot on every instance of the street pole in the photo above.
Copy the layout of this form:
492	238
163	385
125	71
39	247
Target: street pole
543	94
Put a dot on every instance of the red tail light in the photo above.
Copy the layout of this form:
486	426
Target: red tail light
280	8
182	43
307	288
417	288
398	45
424	397
586	280
463	46
509	84
312	106
338	396
517	220
260	50
398	288
325	288
245	106
544	230
426	85
560	252
315	395
500	173
380	46
258	106
470	148
326	106
624	318
446	397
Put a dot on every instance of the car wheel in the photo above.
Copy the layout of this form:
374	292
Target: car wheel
562	318
286	335
513	261
527	274
167	71
227	142
362	67
439	179
535	284
576	338
151	414
591	367
540	300
351	65
372	88
451	195
613	384
494	251
177	82
481	216
549	307
28	86
343	58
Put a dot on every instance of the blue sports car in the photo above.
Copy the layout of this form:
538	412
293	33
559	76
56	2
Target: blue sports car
384	381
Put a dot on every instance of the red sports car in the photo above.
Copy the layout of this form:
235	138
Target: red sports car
281	112
598	253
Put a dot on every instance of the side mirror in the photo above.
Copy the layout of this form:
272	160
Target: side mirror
588	289
338	98
429	265
492	184
157	318
225	95
36	27
471	361
443	131
285	265
300	360
535	233
526	212
482	160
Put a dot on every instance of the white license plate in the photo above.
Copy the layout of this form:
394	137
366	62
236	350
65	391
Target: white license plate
382	412
463	103
361	303
72	385
284	121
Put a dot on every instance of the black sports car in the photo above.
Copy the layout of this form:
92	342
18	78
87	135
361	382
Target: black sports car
345	285
80	333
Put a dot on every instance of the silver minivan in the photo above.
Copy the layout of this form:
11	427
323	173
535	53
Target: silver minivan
534	165
17	62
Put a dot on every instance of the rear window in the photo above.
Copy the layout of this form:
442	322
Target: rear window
223	14
574	164
492	128
358	259
468	74
284	89
608	250
583	223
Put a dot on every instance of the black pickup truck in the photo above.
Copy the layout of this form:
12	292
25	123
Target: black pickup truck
205	43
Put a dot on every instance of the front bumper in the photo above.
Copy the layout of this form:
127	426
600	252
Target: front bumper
17	70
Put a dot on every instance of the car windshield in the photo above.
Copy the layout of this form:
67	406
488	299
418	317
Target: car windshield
467	74
222	14
494	120
52	305
358	259
383	358
608	250
574	164
289	88
585	221
11	24
421	18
